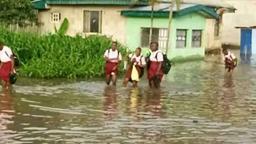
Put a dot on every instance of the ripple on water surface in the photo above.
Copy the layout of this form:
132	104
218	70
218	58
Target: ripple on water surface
198	103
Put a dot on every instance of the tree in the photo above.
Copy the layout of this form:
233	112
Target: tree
177	3
17	12
152	3
172	3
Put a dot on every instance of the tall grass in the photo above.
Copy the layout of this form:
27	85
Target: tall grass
58	56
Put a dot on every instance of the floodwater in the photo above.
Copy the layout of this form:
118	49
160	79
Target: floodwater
197	104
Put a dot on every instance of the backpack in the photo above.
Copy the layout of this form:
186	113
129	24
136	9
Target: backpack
166	64
16	60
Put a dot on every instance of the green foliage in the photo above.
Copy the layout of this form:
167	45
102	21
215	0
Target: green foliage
58	56
17	12
63	28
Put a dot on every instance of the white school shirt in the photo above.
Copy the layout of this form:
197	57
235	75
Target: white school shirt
115	56
156	56
5	54
140	60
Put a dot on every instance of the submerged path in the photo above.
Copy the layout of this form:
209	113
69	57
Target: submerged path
197	103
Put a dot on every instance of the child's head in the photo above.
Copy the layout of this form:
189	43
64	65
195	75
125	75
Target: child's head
114	45
225	51
138	51
154	46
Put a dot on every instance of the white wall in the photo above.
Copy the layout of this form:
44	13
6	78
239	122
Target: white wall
113	24
244	16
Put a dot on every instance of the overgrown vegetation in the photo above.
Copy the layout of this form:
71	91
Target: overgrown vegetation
57	56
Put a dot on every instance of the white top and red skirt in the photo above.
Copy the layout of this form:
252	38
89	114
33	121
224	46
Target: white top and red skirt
114	57
155	60
6	62
229	60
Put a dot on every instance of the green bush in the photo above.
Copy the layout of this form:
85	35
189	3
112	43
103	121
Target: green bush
58	56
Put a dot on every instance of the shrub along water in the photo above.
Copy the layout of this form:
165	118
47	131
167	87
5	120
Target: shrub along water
58	56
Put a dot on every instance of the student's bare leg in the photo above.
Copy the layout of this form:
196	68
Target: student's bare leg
125	82
135	83
3	84
151	83
114	77
7	85
108	79
157	82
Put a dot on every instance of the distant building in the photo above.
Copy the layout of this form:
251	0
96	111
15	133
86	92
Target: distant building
243	17
195	27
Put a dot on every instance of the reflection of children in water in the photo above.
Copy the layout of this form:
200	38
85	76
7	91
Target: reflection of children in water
110	102
6	112
228	81
153	102
228	96
135	100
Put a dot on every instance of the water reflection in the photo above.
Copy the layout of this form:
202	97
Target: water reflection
153	102
197	103
110	102
6	116
135	101
245	58
228	80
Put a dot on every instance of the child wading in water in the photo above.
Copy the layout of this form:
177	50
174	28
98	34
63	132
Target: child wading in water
112	57
230	60
135	68
155	60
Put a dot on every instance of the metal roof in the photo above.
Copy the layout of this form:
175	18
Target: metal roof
212	3
162	10
42	4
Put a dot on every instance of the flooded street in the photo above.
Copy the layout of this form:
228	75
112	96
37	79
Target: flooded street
197	104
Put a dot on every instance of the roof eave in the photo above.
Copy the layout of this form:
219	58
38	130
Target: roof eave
40	4
165	14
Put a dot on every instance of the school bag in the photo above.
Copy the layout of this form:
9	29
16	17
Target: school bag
166	64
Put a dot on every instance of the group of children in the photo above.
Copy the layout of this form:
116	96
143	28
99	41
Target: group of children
135	69
137	63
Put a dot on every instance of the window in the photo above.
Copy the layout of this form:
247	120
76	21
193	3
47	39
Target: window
55	17
158	35
92	21
181	38
196	38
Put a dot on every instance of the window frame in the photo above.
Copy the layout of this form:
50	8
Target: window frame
87	25
185	41
55	17
201	38
156	36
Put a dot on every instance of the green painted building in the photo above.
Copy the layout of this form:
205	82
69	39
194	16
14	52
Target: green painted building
194	28
188	37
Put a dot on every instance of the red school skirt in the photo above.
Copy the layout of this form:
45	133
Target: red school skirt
5	70
109	68
152	70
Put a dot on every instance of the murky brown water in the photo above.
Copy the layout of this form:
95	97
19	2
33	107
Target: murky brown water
197	104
